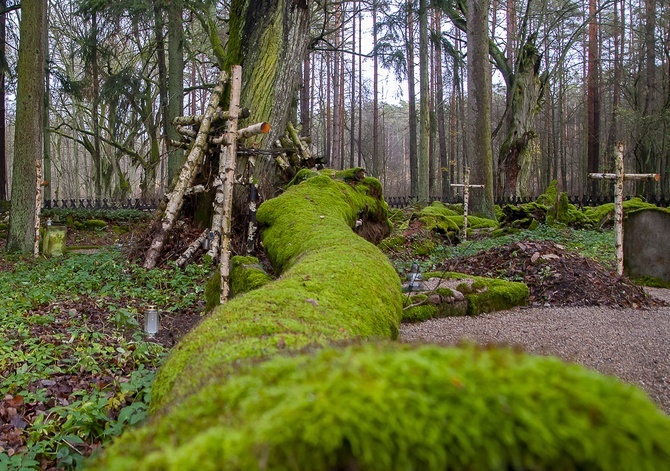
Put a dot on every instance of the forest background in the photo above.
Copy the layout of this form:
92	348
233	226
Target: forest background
569	80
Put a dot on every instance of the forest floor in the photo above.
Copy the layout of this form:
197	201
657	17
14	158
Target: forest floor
94	310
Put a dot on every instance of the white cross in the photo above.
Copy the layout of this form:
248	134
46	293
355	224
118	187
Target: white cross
466	198
619	178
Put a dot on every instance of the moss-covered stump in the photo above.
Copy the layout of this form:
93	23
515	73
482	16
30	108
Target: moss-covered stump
332	285
398	407
448	294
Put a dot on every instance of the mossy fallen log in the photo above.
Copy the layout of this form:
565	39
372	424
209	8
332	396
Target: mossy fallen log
225	399
333	285
385	406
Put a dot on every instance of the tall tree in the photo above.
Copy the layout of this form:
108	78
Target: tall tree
478	141
424	104
593	98
175	85
3	69
28	139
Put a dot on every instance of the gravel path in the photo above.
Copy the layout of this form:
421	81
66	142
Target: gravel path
631	344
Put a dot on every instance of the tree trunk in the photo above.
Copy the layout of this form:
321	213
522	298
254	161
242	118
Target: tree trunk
28	138
525	90
424	111
375	99
593	99
269	39
478	141
441	122
175	82
3	150
411	92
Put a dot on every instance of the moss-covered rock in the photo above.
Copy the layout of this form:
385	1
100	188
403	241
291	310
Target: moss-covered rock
95	224
443	220
390	406
333	285
603	214
487	294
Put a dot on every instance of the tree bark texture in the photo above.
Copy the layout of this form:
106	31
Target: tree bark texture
525	90
269	39
478	141
28	138
175	84
229	155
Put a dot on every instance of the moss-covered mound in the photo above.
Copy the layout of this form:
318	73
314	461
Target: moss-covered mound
398	407
333	285
603	214
480	296
444	220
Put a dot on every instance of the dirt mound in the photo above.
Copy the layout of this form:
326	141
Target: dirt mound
555	277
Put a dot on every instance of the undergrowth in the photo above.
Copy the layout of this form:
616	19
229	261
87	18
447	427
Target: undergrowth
595	244
75	366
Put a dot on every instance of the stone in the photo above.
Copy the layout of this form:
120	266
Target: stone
646	244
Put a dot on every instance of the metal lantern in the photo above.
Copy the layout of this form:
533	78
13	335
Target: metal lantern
415	278
207	243
151	321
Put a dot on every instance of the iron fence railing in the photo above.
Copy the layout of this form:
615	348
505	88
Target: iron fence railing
97	204
581	201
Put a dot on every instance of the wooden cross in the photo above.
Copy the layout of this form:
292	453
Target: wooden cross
619	178
466	198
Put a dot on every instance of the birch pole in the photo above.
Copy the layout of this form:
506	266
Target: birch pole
229	155
466	199
175	199
619	177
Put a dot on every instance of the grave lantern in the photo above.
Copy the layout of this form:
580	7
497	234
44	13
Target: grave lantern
415	278
151	321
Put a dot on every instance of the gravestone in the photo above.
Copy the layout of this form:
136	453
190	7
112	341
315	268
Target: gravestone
647	244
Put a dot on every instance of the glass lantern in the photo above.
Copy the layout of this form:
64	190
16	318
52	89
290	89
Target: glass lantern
151	321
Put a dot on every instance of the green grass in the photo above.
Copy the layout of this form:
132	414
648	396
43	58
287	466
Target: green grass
75	367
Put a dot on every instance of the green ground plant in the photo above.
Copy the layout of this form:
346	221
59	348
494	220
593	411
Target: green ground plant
75	368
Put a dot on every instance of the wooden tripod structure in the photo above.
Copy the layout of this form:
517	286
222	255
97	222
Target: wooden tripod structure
198	148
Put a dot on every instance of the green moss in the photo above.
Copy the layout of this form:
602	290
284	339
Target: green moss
549	197
533	225
487	294
213	291
95	224
393	243
247	274
389	406
600	214
423	247
652	282
438	209
419	313
3	226
333	285
79	225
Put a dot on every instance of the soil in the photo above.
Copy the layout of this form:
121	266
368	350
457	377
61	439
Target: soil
555	276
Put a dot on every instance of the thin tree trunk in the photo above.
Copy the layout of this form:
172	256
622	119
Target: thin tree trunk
375	99
441	122
593	98
175	82
3	150
424	104
352	84
229	154
411	92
